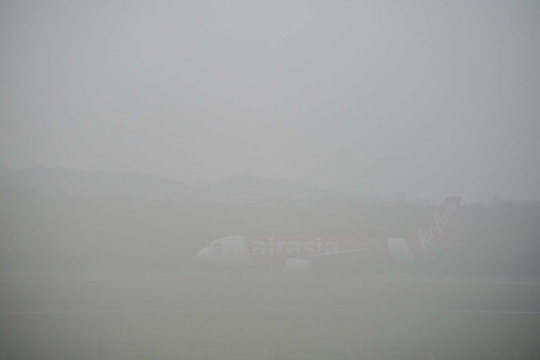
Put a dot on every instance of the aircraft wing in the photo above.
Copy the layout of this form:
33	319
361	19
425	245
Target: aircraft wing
362	254
335	254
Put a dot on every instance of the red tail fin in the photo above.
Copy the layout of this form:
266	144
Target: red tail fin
436	228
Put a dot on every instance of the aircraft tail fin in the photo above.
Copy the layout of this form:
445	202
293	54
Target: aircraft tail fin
436	228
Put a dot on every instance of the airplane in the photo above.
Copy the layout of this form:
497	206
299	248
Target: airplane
311	254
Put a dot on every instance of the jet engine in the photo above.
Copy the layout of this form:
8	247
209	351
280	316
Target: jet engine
297	265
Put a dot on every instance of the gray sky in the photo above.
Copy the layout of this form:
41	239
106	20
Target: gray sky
426	99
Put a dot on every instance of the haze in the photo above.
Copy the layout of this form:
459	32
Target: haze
425	99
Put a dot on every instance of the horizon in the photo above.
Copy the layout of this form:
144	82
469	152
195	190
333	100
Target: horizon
202	185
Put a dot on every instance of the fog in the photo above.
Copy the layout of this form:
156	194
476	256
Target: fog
424	99
273	180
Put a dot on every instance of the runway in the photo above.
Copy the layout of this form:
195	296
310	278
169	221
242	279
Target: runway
347	295
245	275
259	317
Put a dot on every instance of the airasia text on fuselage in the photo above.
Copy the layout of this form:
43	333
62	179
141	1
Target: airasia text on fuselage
261	247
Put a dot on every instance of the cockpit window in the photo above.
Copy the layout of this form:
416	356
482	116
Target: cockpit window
217	247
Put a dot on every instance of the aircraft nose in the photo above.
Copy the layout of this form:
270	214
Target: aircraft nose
203	254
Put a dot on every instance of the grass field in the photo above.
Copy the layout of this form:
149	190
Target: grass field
165	335
59	320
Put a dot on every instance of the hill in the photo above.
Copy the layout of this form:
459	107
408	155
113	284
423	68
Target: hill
51	182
